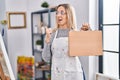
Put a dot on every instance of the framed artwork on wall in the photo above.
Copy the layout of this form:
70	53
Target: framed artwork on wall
16	20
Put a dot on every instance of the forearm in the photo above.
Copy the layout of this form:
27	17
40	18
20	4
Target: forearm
46	54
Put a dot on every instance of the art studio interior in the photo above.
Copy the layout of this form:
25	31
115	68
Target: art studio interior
23	31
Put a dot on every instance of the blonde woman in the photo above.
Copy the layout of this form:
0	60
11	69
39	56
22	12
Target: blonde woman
63	67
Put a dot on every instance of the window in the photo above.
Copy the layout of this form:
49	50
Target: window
109	19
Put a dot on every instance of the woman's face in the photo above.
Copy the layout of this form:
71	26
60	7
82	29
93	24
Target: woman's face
61	17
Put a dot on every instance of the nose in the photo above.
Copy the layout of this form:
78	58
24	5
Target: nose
59	16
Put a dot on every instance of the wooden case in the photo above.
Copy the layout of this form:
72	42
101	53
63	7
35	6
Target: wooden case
85	43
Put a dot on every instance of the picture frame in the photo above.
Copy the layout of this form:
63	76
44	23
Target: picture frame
16	20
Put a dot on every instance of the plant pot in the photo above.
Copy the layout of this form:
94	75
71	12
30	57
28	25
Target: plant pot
48	79
38	47
43	29
35	29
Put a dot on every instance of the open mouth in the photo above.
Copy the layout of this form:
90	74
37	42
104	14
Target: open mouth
60	19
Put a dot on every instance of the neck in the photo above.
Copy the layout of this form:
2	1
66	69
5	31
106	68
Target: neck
63	27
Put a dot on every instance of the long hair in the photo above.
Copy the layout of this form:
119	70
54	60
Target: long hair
70	16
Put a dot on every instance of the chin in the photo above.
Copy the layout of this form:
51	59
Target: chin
60	24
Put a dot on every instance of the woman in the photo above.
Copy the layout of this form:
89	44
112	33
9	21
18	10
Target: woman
63	67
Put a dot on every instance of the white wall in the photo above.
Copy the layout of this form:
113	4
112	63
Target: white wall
18	40
3	17
93	20
81	7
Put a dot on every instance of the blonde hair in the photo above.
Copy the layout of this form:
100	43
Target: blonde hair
70	16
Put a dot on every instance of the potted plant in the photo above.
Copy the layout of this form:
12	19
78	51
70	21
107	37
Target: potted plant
49	77
45	5
3	22
38	44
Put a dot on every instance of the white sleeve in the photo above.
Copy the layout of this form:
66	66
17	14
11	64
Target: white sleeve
46	54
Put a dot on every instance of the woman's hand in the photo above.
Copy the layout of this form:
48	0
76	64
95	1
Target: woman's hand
85	27
48	34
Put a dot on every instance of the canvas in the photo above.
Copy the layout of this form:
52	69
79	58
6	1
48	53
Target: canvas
6	72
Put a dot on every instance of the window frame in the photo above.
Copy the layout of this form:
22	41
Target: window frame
100	7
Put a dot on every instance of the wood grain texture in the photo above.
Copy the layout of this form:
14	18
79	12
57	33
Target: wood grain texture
85	43
2	76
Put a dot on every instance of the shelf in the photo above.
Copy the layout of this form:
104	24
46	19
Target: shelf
44	11
44	68
40	79
37	34
37	51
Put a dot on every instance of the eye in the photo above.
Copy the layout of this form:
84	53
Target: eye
62	13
